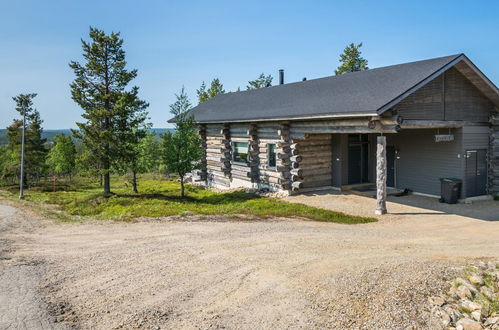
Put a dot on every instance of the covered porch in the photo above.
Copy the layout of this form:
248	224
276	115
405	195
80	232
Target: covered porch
391	162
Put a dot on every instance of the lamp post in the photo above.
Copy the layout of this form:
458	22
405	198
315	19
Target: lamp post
21	184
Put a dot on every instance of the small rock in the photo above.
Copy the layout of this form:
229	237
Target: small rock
439	301
491	321
476	315
471	305
487	292
467	324
476	279
464	292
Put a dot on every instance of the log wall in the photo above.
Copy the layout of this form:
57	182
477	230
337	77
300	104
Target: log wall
218	155
313	162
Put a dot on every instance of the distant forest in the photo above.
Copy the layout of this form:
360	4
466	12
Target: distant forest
49	134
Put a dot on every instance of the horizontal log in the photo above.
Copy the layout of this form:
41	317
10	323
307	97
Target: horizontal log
342	130
296	159
414	124
296	178
312	164
297	171
333	123
316	184
296	185
315	178
309	172
282	156
394	120
314	149
266	172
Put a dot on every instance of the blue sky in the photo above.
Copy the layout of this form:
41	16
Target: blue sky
175	43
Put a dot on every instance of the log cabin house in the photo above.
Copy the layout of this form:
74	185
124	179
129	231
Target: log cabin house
431	119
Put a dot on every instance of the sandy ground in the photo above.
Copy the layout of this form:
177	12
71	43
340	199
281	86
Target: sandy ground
220	272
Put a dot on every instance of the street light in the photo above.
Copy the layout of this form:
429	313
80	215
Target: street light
21	184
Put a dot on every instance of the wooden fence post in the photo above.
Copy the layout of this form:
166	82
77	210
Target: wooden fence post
381	175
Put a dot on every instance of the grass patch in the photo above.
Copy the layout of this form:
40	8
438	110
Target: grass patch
160	197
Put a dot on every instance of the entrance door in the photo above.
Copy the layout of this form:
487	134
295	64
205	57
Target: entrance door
476	172
390	166
358	158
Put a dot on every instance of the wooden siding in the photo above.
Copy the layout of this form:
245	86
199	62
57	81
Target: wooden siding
494	155
423	161
426	103
451	96
463	101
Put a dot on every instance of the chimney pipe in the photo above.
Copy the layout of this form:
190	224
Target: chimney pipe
281	77
304	79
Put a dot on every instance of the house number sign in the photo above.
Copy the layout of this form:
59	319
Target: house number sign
444	137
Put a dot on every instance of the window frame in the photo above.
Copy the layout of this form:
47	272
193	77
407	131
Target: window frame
237	162
268	156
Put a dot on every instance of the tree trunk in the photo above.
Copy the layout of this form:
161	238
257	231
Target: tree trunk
100	180
107	184
182	192
134	182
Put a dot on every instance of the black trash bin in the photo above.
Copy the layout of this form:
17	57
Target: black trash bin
450	190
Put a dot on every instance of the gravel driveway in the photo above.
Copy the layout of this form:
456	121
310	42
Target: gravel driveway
221	272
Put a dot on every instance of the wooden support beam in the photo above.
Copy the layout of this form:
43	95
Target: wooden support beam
418	124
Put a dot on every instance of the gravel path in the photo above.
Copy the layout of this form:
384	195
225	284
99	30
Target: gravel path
195	272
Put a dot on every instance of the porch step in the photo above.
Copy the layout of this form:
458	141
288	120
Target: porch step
358	186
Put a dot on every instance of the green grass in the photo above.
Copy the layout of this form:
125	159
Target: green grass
159	197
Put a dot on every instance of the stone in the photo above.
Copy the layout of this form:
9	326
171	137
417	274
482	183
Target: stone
491	321
439	301
487	292
471	305
467	324
476	315
464	292
476	279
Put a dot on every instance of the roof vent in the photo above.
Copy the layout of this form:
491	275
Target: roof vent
304	79
281	77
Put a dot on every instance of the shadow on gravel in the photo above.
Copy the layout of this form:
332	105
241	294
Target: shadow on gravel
479	210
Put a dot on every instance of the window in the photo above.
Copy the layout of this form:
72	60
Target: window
240	154
272	155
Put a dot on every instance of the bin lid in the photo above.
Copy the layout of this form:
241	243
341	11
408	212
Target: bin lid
453	180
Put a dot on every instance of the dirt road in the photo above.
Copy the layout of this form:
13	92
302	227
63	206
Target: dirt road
194	272
21	304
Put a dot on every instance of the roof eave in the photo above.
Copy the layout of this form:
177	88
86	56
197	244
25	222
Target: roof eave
297	118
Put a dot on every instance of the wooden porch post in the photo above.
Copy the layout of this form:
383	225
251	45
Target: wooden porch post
381	175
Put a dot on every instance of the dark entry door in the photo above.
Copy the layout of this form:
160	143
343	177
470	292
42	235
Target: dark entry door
358	158
476	172
390	166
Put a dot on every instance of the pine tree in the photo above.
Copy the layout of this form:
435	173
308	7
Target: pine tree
35	150
113	115
215	88
351	61
182	149
260	82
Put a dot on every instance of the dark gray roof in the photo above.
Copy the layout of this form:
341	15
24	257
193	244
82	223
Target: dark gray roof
351	94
